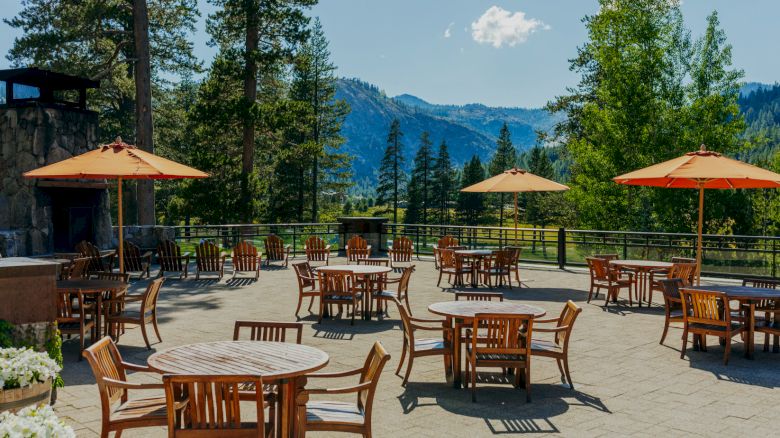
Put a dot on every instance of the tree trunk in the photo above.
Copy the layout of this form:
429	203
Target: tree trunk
143	107
250	96
316	165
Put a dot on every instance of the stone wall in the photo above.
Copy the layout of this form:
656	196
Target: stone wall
146	236
33	135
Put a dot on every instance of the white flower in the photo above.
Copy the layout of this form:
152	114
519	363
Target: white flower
20	367
34	422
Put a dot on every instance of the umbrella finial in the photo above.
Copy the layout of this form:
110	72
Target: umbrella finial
702	148
118	140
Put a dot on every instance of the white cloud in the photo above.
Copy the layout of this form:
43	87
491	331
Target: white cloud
448	30
497	27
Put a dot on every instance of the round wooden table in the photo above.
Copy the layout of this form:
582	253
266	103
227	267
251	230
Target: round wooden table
115	288
462	312
641	269
277	362
370	276
476	256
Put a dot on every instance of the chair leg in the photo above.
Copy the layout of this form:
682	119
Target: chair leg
527	383
311	303
666	327
590	292
403	356
298	308
474	384
439	282
409	364
154	325
727	351
566	369
684	343
146	338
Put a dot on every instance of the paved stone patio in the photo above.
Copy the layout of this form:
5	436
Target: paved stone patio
625	382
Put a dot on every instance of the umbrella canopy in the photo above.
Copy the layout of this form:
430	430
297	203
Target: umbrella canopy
121	161
513	181
701	170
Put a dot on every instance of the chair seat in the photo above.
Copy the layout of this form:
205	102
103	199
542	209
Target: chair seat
67	325
545	346
712	327
345	298
143	409
333	412
490	357
456	271
429	344
125	316
388	294
676	314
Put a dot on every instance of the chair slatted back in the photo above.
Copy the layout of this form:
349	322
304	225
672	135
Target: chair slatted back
169	256
514	255
606	257
446	242
316	249
269	331
132	256
503	258
447	260
213	405
500	334
152	292
683	260
403	249
568	315
337	283
405	320
372	369
246	258
304	274
115	276
705	307
106	363
598	268
357	248
78	268
479	296
274	247
208	257
373	262
684	271
671	288
764	283
88	249
66	311
403	283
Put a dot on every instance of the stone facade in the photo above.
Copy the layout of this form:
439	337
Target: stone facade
146	236
33	135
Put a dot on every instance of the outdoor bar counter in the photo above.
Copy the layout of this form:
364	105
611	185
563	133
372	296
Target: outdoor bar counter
27	290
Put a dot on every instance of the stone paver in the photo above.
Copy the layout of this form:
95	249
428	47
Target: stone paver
626	383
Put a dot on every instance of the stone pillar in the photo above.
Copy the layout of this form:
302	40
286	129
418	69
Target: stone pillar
370	228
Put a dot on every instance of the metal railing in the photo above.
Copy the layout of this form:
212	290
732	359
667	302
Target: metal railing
227	236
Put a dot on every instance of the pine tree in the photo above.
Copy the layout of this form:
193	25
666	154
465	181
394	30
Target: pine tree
537	211
443	183
503	159
471	206
389	191
419	189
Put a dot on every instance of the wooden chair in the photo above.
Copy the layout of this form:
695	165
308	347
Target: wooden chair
357	248
498	265
479	296
269	331
246	258
339	287
316	250
75	316
339	416
171	259
213	406
401	251
670	287
452	265
374	262
209	259
276	250
114	276
77	269
503	346
767	312
307	284
706	313
401	293
606	257
514	264
443	243
683	271
683	260
428	346
97	262
603	276
558	348
119	411
147	313
135	262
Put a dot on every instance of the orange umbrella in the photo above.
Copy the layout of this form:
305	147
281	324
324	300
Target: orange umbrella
121	161
514	181
701	170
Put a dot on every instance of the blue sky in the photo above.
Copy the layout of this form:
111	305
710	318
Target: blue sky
502	53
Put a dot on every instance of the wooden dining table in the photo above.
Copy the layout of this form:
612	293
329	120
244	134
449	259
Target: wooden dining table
280	363
370	275
747	296
641	270
461	313
94	288
476	256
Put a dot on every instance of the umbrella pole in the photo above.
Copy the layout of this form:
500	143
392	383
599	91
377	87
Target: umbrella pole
698	240
119	216
515	218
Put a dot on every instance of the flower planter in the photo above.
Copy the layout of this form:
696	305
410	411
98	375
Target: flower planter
15	399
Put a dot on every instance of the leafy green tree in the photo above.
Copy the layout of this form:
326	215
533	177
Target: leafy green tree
503	159
443	184
537	210
471	206
419	189
389	191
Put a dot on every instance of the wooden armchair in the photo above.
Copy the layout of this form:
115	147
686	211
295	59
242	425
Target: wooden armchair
607	257
213	406
498	265
171	259
246	258
514	264
453	266
401	293
558	348
276	250
443	243
119	411
117	314
316	250
683	271
604	276
339	287
77	269
401	251
307	284
75	316
501	344
339	416
99	261
436	346
704	315
357	248
135	262
683	260
209	259
767	312
670	287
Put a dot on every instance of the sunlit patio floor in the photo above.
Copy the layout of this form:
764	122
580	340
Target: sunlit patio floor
625	382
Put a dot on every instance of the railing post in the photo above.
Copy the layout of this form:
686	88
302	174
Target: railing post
561	248
417	245
774	258
625	246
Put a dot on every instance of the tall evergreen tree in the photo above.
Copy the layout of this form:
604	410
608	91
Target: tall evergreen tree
471	206
537	210
419	189
443	183
503	159
389	191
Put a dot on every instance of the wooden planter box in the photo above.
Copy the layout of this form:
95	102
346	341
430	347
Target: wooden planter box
15	399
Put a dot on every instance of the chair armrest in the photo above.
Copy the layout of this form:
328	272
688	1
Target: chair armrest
344	390
147	255
338	374
136	367
551	330
544	321
440	321
423	327
327	248
128	385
